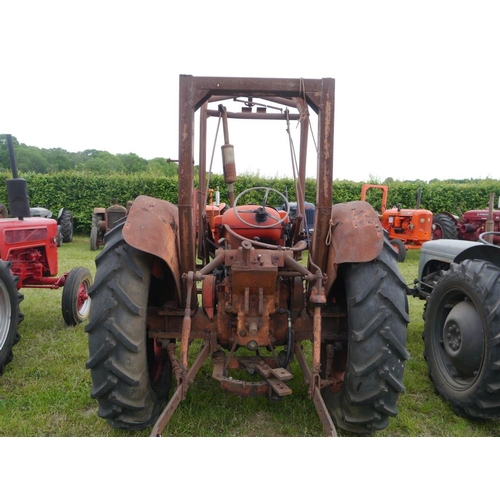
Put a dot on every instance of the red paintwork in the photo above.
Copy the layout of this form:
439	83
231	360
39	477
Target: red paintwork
473	223
31	245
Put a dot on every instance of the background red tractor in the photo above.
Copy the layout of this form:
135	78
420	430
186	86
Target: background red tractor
469	226
28	259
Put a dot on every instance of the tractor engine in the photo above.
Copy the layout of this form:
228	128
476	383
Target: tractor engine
413	226
252	299
29	264
473	223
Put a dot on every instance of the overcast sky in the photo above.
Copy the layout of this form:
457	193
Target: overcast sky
417	83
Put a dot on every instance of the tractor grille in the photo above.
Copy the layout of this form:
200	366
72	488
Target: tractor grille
114	217
13	236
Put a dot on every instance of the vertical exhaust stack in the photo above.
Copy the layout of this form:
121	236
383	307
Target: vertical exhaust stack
17	189
489	226
419	198
228	158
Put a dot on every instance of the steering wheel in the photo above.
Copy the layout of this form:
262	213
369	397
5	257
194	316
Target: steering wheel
482	238
262	209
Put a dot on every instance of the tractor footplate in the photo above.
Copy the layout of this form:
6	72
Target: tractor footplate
272	385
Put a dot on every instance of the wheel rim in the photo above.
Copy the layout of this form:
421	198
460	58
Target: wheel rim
83	299
5	318
437	232
458	346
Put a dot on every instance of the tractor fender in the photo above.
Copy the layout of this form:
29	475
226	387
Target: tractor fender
489	253
152	226
357	236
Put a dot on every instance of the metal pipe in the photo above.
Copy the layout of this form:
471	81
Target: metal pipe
13	162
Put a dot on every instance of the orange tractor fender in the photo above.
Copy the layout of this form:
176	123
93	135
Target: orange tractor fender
152	226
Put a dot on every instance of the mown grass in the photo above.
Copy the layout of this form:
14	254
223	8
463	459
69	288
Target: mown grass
45	390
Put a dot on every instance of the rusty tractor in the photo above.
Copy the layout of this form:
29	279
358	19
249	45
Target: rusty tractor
104	219
168	297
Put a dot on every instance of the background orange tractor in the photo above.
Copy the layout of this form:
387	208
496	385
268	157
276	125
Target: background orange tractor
407	227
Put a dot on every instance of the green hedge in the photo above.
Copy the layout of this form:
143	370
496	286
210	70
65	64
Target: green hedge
81	192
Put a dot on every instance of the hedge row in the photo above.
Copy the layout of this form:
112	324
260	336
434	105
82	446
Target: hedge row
81	192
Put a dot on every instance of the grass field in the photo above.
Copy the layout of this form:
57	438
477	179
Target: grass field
45	390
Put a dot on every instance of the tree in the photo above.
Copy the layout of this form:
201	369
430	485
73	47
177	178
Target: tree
163	167
133	163
30	159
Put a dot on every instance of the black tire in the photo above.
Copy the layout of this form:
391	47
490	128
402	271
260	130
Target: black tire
66	224
75	299
127	382
10	317
462	323
399	246
93	238
377	315
4	214
444	227
59	237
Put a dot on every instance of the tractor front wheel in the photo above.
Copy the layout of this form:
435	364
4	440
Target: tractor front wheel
131	375
399	246
462	321
75	296
377	316
10	316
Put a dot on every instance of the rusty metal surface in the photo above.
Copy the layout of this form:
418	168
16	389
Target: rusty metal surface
195	92
152	226
249	298
356	236
208	295
180	393
274	378
315	393
357	233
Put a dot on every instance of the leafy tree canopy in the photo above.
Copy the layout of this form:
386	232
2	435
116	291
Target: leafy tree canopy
47	161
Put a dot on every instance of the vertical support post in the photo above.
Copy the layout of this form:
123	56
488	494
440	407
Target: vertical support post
186	173
324	177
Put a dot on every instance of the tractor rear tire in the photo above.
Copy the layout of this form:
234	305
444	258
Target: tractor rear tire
462	321
93	238
130	381
75	298
66	224
10	317
444	227
377	316
399	246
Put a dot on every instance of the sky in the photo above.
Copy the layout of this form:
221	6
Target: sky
417	83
